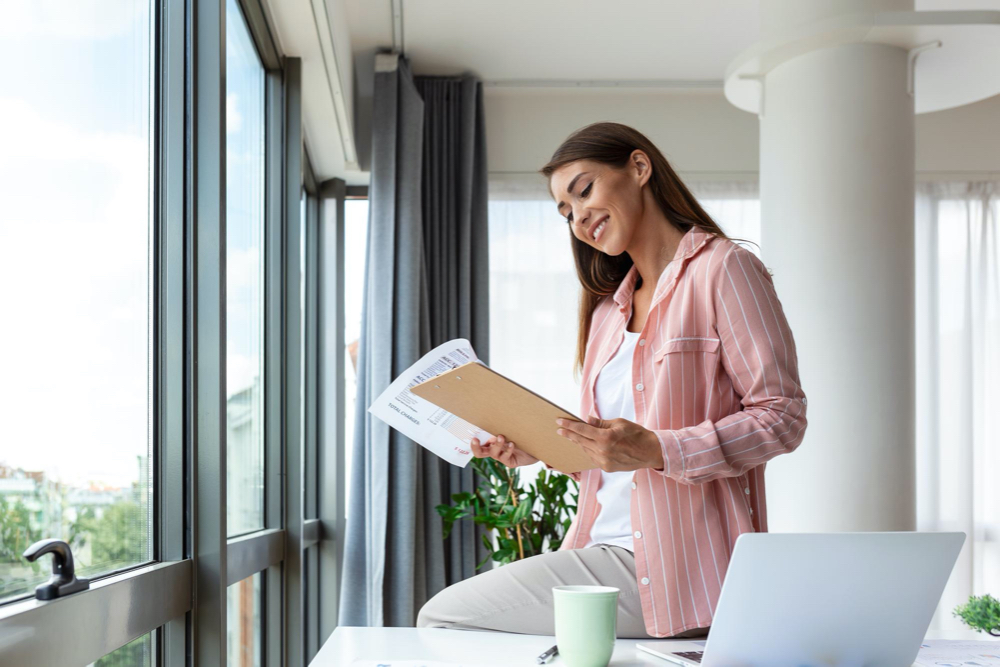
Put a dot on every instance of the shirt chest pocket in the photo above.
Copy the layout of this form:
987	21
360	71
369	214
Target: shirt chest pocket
686	344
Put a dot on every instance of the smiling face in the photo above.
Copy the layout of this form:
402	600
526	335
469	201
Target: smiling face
603	204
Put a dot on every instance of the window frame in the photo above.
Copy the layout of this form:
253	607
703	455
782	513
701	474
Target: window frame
311	526
332	447
193	559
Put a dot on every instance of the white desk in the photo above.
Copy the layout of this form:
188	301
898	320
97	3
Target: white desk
465	647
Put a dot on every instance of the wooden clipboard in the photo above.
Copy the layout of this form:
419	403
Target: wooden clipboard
494	403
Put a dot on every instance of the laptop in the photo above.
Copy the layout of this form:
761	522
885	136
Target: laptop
793	599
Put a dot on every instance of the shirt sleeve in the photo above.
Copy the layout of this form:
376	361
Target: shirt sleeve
758	354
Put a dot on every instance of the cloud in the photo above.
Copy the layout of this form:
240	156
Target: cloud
74	262
76	19
234	119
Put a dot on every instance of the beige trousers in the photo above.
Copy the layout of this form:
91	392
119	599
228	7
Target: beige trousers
518	597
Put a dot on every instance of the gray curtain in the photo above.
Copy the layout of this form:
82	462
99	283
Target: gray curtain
426	281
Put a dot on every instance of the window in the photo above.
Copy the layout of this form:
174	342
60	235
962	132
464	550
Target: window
957	369
123	322
355	252
75	349
243	623
137	653
244	277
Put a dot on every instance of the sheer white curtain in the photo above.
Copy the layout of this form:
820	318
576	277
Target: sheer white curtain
958	383
534	291
735	206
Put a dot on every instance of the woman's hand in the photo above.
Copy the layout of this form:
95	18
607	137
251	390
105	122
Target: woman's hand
615	445
503	450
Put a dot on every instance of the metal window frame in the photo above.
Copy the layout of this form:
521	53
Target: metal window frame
82	619
311	480
331	364
172	541
274	464
205	324
293	511
263	551
247	555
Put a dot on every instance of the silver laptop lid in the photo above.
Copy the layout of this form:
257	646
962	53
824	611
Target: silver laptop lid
829	599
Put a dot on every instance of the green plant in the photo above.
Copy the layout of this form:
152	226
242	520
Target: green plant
16	533
526	522
982	614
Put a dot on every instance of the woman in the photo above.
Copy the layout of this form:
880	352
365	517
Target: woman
690	384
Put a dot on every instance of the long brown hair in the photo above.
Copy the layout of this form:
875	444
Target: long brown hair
601	274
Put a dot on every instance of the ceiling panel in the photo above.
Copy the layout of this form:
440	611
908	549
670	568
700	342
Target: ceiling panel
563	39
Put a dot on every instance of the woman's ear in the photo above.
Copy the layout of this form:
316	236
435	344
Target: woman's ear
640	166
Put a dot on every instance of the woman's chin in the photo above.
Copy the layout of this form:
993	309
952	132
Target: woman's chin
610	248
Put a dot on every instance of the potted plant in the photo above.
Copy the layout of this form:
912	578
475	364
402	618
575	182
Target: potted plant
982	614
524	521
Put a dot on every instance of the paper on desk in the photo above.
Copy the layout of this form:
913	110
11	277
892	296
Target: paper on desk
958	653
420	420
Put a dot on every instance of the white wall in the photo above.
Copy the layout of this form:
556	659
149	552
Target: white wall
701	133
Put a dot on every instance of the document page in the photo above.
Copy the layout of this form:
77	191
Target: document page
958	652
423	422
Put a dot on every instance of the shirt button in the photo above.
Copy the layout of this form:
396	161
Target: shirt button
747	490
804	399
642	341
639	386
645	581
633	485
638	534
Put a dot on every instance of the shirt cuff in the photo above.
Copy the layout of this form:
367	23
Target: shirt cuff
674	464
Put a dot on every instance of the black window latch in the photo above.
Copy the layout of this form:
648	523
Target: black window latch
63	581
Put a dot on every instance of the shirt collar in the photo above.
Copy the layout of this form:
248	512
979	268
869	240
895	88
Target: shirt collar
690	244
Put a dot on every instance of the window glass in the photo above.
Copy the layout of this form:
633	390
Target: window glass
355	251
307	408
244	277
243	620
137	653
303	226
75	249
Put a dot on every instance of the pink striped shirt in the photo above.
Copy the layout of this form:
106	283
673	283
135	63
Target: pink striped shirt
716	378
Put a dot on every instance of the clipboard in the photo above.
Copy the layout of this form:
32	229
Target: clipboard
497	404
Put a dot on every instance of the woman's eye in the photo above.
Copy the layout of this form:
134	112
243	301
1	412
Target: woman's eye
583	193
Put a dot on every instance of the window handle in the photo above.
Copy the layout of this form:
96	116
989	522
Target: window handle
63	580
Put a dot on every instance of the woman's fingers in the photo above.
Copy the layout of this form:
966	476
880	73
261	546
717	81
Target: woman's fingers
482	450
491	448
503	450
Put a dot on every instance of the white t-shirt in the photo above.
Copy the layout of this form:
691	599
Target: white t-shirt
613	394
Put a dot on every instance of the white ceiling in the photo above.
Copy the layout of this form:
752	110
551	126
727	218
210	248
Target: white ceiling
574	40
659	42
683	40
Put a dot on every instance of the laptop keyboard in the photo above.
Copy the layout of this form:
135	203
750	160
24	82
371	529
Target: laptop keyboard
693	656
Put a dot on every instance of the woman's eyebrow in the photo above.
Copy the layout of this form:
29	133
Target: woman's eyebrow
569	189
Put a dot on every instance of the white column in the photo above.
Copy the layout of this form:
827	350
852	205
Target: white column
837	191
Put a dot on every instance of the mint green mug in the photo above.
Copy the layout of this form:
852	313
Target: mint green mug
586	623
